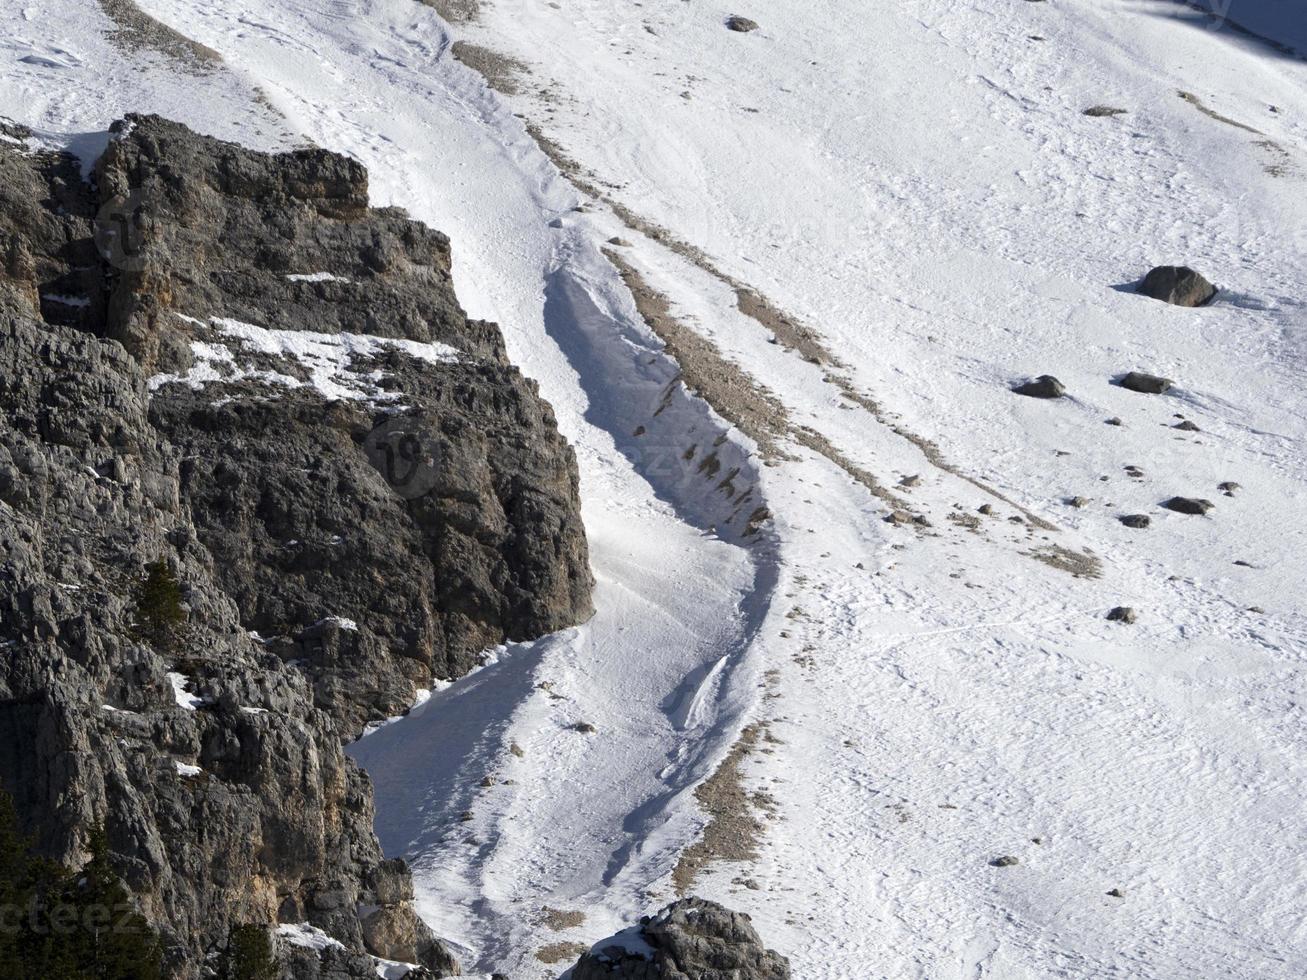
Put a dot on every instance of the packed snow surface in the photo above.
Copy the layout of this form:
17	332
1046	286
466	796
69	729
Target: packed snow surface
919	184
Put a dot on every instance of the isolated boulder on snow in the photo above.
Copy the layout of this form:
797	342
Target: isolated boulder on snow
1178	285
741	25
1189	505
1044	386
692	939
1147	384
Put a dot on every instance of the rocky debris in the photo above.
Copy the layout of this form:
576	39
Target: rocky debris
1078	502
1045	386
1177	285
1186	426
1189	505
1123	614
1229	488
214	762
911	481
1116	893
692	939
619	242
1115	421
986	509
903	518
1006	861
1136	520
1147	384
1099	111
741	25
585	728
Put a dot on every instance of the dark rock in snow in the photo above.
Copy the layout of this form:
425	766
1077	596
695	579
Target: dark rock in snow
1147	384
1099	111
1177	285
1189	505
1045	386
741	25
1136	520
692	939
1186	426
1006	861
1229	488
1123	614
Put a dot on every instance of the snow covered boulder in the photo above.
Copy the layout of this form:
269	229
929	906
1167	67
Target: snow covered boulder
692	939
1178	285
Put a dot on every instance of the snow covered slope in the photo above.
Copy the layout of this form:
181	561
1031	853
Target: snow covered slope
918	184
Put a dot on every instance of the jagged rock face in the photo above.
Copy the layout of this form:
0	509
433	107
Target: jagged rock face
274	498
692	939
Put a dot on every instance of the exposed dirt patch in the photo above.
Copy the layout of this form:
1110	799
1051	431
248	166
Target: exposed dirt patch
818	443
1079	564
560	952
735	824
787	331
732	392
1198	104
561	919
455	11
136	31
501	72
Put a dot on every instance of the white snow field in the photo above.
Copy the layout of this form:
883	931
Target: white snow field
918	184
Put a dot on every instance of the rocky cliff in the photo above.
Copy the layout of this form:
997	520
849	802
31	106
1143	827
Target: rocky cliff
225	362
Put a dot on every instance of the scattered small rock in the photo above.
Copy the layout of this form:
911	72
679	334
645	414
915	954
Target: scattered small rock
1045	386
1186	426
910	481
1189	505
1006	861
986	509
1243	564
1117	893
619	242
1136	520
1114	421
1098	111
584	727
1123	614
1228	488
741	25
1177	285
1078	502
1148	384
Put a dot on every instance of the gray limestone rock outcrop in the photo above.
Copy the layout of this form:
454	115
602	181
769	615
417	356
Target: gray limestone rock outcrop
226	361
691	939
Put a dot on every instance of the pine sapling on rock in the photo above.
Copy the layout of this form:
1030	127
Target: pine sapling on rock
159	613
